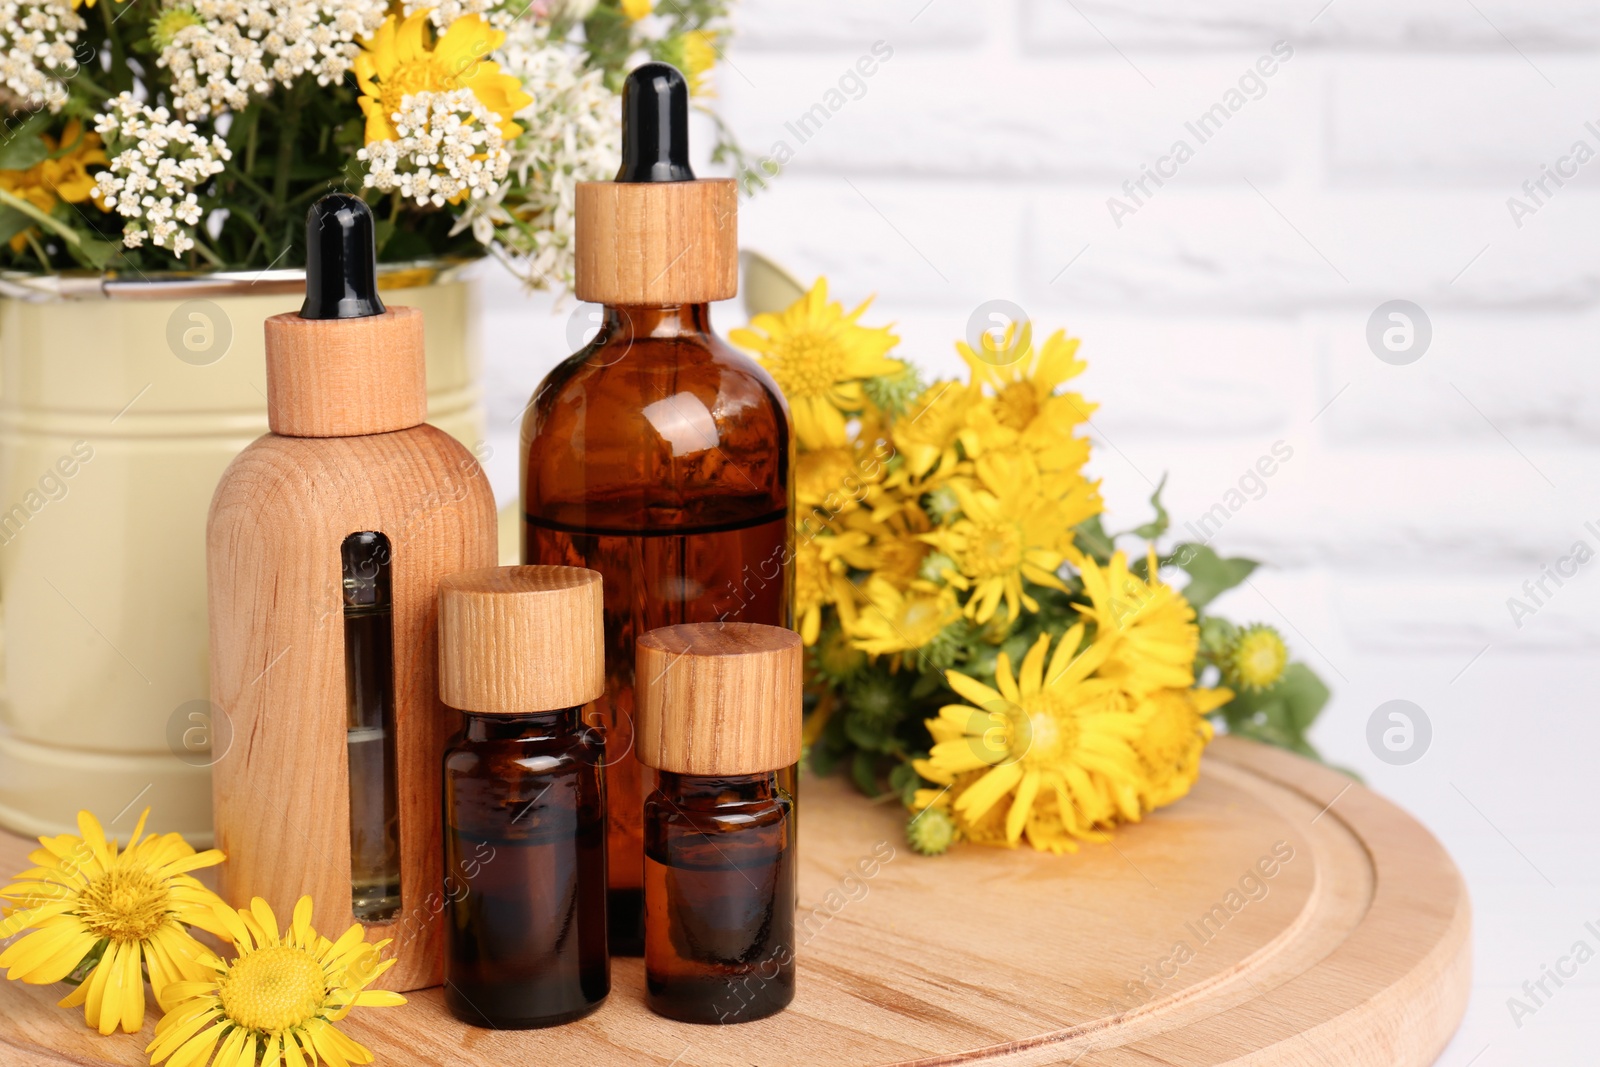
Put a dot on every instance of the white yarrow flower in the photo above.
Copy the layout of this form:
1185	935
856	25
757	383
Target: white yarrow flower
571	133
157	165
443	12
38	52
449	148
229	50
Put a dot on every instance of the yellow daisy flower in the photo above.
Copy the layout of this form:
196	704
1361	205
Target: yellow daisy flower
1024	412
820	578
897	551
1014	525
1052	730
63	177
1047	830
278	999
818	355
400	61
1175	733
987	829
930	431
636	9
699	48
1049	445
893	622
1146	627
835	470
835	659
1024	389
84	898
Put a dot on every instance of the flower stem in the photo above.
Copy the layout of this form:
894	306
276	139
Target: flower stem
288	136
50	223
38	250
121	76
208	255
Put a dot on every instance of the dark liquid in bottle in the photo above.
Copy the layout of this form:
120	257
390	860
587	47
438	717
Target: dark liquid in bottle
526	871
719	875
369	728
659	457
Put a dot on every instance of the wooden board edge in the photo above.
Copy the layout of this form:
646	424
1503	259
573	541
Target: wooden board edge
1421	999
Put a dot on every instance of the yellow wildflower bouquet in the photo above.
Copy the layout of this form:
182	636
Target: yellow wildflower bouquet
979	645
193	134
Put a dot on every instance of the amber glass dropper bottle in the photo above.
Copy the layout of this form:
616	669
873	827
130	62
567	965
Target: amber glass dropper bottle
657	454
719	718
524	797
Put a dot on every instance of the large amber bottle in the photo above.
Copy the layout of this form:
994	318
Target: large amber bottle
657	454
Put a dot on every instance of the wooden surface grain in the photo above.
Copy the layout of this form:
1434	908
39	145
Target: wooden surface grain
1171	946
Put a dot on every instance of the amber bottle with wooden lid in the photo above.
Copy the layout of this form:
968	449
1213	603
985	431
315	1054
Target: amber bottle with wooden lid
657	454
524	797
324	548
719	720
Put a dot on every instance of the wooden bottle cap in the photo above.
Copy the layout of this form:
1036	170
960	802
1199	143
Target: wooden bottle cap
346	377
718	698
657	243
520	640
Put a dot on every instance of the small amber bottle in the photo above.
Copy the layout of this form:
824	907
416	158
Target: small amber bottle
524	797
719	721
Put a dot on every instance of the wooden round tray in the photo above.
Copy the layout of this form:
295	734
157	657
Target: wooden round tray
1280	914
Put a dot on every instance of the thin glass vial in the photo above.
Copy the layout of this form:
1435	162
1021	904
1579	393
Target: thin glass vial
369	728
719	896
525	863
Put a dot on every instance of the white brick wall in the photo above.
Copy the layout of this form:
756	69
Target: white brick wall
1229	312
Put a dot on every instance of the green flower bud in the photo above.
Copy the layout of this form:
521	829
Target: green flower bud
931	831
1257	658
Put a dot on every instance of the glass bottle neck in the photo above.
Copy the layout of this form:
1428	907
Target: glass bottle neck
538	726
638	322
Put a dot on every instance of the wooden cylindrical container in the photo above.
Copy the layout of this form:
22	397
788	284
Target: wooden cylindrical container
518	640
719	698
348	454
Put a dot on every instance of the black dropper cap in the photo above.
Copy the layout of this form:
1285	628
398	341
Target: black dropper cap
655	125
341	260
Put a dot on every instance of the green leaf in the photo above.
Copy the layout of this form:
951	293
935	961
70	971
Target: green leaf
406	244
382	230
824	760
927	684
1209	574
767	287
1304	695
94	253
903	779
1090	536
865	731
864	770
831	747
23	147
12	222
1282	715
1158	525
